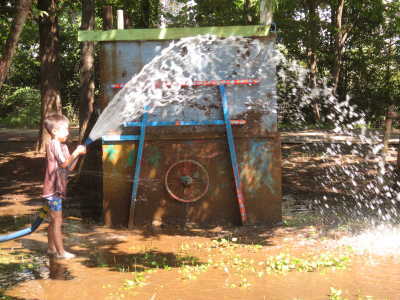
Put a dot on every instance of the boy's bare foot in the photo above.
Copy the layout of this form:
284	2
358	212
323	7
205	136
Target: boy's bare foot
65	255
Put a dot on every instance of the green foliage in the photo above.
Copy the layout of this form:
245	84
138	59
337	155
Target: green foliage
7	12
138	280
370	60
336	294
214	13
69	22
283	263
21	108
140	14
25	67
370	66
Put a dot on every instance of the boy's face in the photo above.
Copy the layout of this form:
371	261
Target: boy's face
61	132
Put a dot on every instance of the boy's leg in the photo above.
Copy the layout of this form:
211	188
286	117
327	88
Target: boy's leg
51	247
55	231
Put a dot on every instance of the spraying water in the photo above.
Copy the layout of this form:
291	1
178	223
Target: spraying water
357	188
200	58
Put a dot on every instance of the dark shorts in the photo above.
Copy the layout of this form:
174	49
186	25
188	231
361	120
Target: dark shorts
54	203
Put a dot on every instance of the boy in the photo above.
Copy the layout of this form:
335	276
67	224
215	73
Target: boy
58	164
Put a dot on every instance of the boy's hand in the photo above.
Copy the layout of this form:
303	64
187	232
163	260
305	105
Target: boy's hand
80	150
72	161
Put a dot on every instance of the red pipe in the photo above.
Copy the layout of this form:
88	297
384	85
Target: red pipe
158	84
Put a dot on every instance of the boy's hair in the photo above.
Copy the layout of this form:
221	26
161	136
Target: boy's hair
54	121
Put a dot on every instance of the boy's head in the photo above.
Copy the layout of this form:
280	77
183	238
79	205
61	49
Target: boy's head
57	126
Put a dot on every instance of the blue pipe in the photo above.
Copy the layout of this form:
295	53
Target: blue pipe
117	138
88	141
23	232
139	155
232	151
177	123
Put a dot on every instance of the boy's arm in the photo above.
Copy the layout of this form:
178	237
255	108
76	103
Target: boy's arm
70	163
72	166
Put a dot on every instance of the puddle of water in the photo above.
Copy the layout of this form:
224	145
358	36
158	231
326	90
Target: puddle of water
58	270
30	269
179	267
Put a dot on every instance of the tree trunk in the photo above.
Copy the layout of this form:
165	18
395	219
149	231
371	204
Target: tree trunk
49	67
108	19
87	70
89	182
246	13
340	39
266	11
313	24
388	130
146	14
23	9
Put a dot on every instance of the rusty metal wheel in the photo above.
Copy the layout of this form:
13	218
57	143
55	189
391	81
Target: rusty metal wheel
187	181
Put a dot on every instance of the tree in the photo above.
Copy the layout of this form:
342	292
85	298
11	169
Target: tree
49	66
340	40
23	9
364	64
87	70
266	10
312	42
370	70
140	14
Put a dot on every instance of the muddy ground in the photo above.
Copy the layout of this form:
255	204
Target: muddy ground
299	259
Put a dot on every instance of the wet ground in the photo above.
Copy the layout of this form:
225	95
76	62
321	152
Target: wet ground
300	259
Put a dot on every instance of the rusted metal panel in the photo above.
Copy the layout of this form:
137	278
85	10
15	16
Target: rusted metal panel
257	146
261	174
118	165
260	171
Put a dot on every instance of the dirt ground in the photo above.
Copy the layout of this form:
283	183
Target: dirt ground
299	259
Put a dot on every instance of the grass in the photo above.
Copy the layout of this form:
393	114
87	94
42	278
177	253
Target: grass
138	280
337	294
283	263
5	297
190	272
236	261
228	255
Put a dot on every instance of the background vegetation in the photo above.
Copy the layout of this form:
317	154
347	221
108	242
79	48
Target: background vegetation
369	55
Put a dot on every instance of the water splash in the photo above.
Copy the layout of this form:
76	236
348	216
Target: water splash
381	240
200	58
355	184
